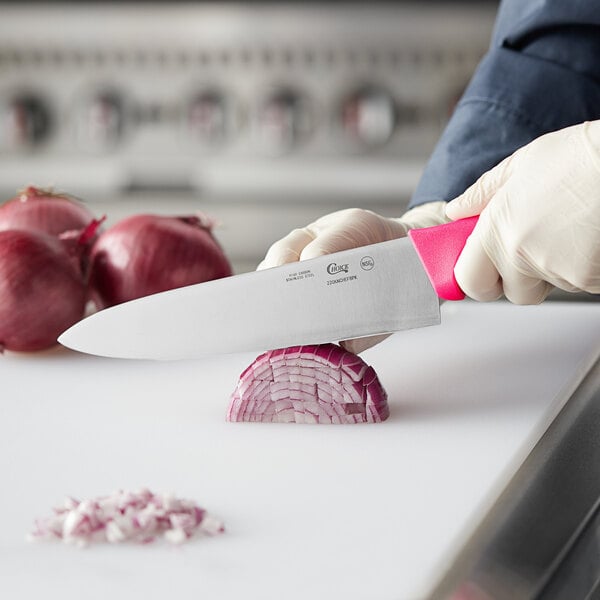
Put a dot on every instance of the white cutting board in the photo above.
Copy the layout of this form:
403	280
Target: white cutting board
352	512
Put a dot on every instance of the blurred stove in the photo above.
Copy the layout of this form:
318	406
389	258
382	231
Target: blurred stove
264	115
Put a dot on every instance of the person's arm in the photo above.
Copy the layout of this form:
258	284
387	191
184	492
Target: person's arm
541	74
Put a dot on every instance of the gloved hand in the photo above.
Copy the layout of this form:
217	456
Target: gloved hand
347	229
540	220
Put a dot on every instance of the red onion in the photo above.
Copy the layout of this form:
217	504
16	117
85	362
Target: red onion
309	384
41	210
42	291
125	516
146	254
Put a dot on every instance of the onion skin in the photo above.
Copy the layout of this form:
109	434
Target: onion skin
146	254
35	209
42	291
309	384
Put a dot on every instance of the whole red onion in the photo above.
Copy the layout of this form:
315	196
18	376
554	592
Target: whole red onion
42	291
36	209
145	254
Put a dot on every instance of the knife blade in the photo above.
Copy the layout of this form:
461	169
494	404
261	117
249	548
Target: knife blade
381	288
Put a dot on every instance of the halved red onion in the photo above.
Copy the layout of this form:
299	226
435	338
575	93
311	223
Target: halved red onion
36	209
126	516
145	254
309	384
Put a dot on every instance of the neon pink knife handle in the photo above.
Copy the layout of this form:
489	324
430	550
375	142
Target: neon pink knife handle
439	248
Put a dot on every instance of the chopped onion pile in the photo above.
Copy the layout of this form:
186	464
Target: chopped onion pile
309	384
124	516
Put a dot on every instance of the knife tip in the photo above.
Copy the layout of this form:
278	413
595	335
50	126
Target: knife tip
65	339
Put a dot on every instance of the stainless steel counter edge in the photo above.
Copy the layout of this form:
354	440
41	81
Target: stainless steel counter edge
520	550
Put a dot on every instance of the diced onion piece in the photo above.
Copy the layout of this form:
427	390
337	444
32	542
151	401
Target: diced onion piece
309	384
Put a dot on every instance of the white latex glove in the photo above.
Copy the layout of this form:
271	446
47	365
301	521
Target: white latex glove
346	229
540	220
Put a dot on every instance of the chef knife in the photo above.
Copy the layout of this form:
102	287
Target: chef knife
381	288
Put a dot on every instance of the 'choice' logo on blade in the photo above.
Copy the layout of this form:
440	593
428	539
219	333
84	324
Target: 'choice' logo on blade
334	268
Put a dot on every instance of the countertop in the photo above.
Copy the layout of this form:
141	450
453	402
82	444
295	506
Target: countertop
353	512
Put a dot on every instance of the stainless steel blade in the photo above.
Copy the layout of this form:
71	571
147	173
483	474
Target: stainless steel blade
374	289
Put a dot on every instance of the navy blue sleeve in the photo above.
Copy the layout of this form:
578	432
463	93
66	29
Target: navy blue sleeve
541	73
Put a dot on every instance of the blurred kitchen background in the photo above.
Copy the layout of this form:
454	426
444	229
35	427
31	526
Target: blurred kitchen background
265	116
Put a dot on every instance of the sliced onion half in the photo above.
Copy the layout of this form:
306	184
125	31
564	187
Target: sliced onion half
309	384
